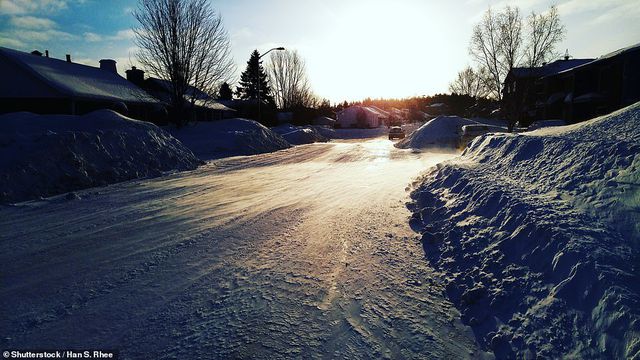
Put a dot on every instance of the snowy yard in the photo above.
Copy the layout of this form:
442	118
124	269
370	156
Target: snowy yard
304	252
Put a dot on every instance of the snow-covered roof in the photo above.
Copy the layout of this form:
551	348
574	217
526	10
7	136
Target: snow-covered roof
378	110
627	49
202	99
552	68
608	56
75	80
369	109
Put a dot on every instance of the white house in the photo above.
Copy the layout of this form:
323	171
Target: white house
371	117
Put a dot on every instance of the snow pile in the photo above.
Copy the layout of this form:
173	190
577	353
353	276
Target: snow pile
44	155
441	132
324	121
298	135
229	137
326	131
539	234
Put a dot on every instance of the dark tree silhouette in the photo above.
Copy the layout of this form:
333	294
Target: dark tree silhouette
184	42
253	78
225	92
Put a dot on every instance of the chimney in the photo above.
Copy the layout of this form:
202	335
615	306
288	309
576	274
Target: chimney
566	55
136	76
36	53
108	65
68	58
46	53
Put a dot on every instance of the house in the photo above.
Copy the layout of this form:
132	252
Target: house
324	121
520	92
595	88
438	109
246	108
361	117
398	116
44	85
206	107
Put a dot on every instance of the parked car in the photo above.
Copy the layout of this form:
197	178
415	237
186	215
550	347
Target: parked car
396	132
545	123
469	132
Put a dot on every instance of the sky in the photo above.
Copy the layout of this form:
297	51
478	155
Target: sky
353	48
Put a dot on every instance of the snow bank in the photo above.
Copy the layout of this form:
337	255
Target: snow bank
324	121
298	135
229	137
44	155
539	236
441	132
326	131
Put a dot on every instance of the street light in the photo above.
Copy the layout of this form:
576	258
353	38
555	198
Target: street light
258	80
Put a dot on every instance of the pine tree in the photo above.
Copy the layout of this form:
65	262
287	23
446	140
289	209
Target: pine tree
253	75
225	92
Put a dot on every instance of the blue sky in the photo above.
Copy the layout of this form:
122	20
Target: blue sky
353	48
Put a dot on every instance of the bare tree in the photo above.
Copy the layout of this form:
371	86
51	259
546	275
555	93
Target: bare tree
288	78
501	42
184	42
485	48
470	82
511	44
544	32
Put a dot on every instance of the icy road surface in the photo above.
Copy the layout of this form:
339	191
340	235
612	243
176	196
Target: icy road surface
304	252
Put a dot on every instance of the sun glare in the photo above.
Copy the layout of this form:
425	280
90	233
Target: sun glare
379	50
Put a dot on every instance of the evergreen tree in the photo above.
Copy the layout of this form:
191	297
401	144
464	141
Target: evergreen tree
325	108
253	75
225	92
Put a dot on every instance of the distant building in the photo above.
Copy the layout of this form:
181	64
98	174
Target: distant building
599	87
246	108
40	84
573	90
206	107
358	116
398	116
519	93
437	109
324	121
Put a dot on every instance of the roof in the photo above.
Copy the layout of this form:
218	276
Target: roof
611	55
552	68
202	99
378	110
75	80
628	49
369	109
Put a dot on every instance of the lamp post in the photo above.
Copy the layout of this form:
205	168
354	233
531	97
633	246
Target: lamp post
258	80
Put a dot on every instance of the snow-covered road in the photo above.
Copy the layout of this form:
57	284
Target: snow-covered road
305	252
